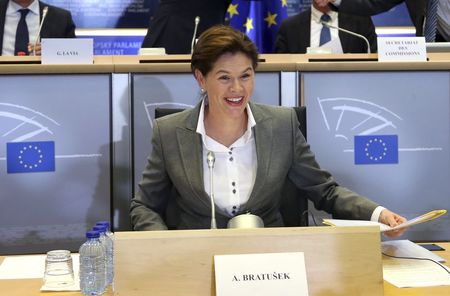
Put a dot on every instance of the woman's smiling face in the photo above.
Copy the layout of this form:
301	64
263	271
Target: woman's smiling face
229	84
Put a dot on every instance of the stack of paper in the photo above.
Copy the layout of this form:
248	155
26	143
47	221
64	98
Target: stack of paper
412	272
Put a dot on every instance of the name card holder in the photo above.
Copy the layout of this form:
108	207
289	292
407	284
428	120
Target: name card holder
263	274
401	49
67	51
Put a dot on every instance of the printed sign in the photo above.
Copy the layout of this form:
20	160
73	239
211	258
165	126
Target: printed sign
401	49
67	51
261	274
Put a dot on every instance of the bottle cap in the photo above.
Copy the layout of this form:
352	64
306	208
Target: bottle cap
92	234
99	228
106	223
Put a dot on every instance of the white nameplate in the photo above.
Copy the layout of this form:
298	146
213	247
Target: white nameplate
67	51
261	274
401	49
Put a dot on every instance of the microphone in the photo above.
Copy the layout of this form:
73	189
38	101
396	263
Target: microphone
210	158
196	22
348	32
44	14
247	220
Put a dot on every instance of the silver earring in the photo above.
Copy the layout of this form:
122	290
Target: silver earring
202	90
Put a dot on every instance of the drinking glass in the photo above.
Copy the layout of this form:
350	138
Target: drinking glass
58	269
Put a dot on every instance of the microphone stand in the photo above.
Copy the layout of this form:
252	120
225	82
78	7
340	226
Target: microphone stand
196	22
44	14
210	158
349	32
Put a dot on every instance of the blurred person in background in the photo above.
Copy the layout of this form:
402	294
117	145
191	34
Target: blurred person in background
431	18
20	21
304	30
173	25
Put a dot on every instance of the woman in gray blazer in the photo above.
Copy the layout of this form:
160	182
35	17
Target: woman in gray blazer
256	148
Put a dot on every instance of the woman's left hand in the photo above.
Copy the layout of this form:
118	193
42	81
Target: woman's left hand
392	219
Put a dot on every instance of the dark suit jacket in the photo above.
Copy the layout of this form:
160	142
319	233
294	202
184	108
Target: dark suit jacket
416	8
173	177
173	24
58	22
294	35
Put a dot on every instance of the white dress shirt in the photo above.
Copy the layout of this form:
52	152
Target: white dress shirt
316	26
12	20
234	170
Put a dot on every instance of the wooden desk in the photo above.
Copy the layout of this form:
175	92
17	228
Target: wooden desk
339	260
390	290
31	287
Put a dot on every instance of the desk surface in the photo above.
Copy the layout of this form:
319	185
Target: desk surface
181	64
30	287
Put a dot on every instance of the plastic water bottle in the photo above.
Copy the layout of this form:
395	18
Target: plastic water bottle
92	265
108	245
109	252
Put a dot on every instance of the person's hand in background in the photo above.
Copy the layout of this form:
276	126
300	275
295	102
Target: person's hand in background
34	51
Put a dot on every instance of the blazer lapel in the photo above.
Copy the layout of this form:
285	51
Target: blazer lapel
264	140
344	38
304	30
191	151
300	34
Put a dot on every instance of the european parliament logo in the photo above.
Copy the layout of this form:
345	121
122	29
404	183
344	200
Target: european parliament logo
30	157
376	149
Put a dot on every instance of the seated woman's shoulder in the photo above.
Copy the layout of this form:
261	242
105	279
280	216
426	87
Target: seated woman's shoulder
279	110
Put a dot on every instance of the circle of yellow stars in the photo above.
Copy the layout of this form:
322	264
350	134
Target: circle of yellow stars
374	142
33	150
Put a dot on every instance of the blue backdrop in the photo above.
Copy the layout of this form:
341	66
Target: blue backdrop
109	13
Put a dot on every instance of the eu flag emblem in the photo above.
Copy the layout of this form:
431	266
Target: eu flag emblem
259	19
380	149
30	157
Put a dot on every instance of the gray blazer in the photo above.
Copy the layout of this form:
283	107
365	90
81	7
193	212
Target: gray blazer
171	194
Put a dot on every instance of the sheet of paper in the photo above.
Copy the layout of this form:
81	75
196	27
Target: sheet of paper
339	222
405	273
28	267
74	287
423	218
334	45
406	248
22	267
417	220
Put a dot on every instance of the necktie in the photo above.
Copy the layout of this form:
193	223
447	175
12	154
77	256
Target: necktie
325	34
431	21
22	38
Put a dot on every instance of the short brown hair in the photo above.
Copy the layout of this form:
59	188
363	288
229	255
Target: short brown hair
218	40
